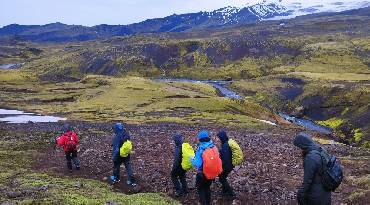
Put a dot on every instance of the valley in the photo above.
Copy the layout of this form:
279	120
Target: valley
239	77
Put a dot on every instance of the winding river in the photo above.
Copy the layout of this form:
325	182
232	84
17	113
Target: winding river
221	87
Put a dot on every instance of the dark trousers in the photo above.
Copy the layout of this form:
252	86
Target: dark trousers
204	189
178	178
72	156
117	165
226	188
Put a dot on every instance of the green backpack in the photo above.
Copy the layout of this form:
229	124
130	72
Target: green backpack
237	153
126	149
187	154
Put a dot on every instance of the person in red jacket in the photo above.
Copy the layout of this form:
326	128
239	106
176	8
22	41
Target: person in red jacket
69	141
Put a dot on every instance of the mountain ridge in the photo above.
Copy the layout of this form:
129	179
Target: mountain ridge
220	18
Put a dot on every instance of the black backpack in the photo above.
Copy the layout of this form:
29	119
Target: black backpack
332	171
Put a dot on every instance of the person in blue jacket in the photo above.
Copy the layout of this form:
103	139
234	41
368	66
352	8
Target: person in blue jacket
227	164
202	183
120	137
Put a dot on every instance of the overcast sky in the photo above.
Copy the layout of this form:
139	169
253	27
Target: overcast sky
93	12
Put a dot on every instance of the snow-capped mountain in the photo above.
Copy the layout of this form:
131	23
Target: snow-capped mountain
285	9
299	8
244	13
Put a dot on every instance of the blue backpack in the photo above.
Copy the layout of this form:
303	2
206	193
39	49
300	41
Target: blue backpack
332	172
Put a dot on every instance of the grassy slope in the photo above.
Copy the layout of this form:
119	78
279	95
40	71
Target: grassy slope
131	99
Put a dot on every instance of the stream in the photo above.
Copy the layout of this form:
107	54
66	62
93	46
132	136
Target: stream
16	116
221	87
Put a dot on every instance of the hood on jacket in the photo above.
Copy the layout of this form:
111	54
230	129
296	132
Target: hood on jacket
178	140
118	128
66	128
203	134
222	136
304	141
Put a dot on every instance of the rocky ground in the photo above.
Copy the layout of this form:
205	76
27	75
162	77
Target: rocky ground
270	174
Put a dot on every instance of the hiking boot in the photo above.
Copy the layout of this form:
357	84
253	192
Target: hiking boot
113	180
130	183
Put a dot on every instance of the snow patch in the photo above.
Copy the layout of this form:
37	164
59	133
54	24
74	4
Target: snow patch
267	122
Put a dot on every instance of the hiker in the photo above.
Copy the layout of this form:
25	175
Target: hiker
208	165
69	141
178	173
312	190
227	164
120	138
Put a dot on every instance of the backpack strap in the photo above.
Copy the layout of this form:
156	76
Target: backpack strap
325	157
70	136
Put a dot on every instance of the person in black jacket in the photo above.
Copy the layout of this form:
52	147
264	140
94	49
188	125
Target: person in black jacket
120	137
178	174
227	164
311	190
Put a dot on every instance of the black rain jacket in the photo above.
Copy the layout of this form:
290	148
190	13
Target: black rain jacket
311	190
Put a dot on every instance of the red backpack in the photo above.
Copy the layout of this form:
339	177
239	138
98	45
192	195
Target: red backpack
71	143
212	164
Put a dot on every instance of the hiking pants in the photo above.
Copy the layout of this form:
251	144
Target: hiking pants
117	165
72	156
204	189
178	178
226	188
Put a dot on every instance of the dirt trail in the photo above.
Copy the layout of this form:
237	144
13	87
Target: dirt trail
270	175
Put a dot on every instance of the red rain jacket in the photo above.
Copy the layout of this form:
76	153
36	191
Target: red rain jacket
64	138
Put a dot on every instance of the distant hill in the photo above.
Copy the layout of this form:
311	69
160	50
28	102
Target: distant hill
221	18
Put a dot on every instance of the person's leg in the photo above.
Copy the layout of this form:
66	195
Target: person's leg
69	162
130	173
207	187
200	183
176	183
226	188
184	185
75	160
116	168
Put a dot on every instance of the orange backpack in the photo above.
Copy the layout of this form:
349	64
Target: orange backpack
212	164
